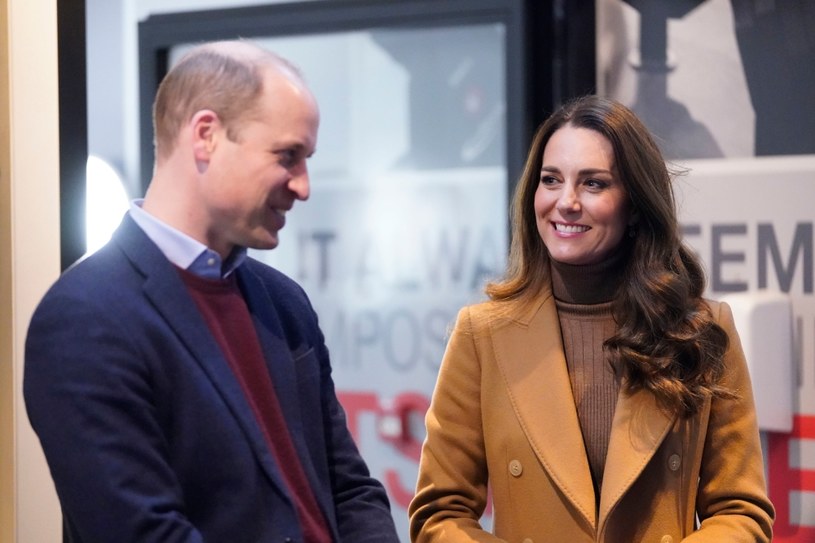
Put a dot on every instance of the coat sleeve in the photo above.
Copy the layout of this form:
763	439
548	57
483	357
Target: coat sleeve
732	502
88	398
451	491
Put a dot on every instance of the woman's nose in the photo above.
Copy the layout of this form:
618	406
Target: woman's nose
569	202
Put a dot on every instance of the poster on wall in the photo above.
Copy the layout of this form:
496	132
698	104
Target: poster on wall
725	87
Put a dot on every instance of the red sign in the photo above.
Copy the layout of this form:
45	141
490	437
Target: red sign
785	479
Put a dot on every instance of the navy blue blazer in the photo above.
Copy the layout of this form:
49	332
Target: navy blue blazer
147	433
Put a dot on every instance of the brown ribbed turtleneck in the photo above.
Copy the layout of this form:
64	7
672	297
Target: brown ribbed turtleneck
583	297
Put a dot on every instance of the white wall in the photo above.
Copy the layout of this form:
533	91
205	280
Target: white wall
29	181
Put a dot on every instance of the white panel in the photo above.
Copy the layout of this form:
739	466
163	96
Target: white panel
802	509
764	322
802	454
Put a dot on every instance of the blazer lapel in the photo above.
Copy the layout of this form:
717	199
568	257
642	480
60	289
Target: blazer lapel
166	291
274	343
280	359
640	425
529	353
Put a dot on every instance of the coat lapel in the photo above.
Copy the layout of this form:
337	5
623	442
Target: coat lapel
166	291
540	390
639	427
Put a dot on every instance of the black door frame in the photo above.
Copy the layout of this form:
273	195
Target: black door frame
73	128
549	54
551	50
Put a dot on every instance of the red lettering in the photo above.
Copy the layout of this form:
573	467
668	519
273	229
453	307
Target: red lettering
785	479
356	403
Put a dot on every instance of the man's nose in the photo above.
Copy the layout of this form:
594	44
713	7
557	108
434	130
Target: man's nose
300	184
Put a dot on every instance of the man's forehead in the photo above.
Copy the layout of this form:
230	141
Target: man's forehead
239	50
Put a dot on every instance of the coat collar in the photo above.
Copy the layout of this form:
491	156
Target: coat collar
529	354
640	425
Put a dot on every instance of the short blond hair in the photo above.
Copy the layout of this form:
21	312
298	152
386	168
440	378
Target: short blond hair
225	77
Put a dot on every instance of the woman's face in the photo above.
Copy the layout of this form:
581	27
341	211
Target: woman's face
581	206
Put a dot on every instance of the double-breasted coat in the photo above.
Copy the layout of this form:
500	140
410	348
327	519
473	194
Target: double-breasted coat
503	418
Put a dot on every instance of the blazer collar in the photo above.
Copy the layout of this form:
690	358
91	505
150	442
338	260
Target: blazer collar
529	353
165	290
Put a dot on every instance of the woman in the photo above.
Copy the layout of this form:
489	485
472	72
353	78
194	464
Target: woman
597	394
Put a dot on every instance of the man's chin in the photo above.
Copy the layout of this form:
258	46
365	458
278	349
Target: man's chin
264	244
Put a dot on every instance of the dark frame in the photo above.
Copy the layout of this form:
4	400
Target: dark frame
73	129
550	48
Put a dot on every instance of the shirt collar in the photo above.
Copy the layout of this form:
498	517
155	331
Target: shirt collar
184	251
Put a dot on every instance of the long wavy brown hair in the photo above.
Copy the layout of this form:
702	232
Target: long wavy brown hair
667	340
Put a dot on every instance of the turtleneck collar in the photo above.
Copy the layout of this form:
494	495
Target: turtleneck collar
587	284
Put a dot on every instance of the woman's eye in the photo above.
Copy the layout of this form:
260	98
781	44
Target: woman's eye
596	184
548	180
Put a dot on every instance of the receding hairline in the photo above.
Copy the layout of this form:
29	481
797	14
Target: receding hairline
211	76
251	54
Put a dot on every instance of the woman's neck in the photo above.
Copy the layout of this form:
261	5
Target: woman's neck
587	284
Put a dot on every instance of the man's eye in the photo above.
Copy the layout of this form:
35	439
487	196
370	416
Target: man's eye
287	158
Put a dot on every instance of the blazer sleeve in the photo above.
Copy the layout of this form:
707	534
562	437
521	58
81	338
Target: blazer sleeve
88	398
361	505
732	502
451	492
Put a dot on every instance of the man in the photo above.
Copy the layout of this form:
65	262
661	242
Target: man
182	391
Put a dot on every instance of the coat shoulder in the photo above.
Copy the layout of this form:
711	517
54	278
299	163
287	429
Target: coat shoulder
721	312
497	314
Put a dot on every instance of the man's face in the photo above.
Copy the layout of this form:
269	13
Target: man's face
250	183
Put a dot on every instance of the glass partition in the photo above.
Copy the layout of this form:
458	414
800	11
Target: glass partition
424	125
427	111
406	219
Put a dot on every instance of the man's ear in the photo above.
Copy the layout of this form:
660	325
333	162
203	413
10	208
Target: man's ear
205	132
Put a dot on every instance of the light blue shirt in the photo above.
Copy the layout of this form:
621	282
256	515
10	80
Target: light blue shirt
184	251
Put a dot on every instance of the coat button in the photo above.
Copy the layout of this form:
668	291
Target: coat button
673	464
666	538
515	468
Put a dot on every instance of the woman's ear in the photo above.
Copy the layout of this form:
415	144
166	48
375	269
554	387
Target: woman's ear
634	218
632	223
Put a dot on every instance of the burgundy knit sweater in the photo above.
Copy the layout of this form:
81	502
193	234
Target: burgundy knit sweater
225	312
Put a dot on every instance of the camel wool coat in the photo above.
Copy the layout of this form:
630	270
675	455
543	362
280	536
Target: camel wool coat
503	417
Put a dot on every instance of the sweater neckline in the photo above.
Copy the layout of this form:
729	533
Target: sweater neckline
587	284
